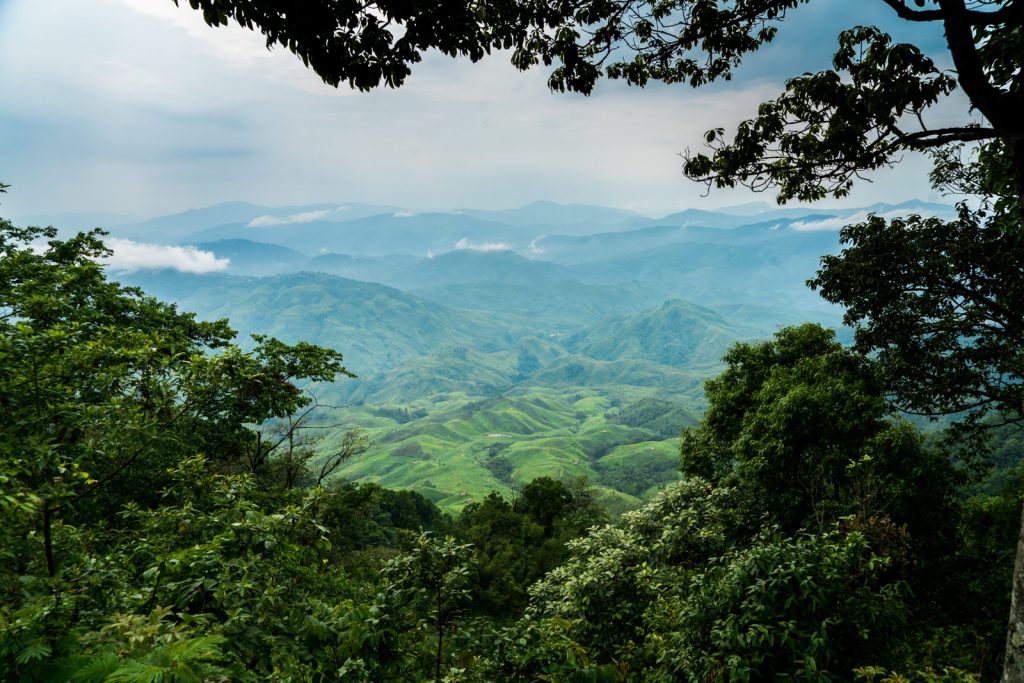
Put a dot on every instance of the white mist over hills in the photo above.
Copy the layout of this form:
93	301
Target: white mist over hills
542	230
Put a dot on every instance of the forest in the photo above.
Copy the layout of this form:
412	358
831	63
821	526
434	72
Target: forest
164	519
167	514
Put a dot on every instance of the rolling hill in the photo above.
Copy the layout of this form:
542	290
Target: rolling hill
494	347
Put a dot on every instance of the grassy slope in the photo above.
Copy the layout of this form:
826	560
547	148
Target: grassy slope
465	447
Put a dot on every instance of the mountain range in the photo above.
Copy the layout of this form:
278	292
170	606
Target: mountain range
492	347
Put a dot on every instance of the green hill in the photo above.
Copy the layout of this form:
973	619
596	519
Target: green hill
456	449
376	327
678	333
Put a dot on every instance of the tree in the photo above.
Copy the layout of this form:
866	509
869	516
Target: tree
365	44
938	304
112	401
103	384
799	429
813	534
425	592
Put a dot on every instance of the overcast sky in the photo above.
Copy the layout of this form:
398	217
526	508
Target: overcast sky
137	107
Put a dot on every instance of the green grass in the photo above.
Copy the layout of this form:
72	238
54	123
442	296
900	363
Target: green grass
444	450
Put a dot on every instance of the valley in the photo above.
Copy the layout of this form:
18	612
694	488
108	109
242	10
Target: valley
495	347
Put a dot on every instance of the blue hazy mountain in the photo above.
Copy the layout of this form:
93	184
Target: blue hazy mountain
377	235
183	226
394	288
563	218
375	326
255	258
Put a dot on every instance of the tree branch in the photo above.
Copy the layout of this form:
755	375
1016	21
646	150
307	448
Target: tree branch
944	136
1012	11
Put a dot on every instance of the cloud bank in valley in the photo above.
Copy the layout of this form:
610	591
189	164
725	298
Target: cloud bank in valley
130	256
304	217
838	222
465	245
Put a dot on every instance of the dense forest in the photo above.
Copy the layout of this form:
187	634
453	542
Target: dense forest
164	520
167	515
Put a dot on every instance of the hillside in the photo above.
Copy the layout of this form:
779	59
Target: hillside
579	332
460	448
678	333
377	327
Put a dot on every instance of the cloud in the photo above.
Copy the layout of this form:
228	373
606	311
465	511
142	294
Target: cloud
130	256
116	117
838	222
534	249
486	246
405	214
304	217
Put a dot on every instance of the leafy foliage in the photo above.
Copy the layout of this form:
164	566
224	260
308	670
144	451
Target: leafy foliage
164	520
939	308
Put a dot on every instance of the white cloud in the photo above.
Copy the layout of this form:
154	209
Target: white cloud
486	246
232	43
130	256
304	217
534	249
151	111
838	222
405	214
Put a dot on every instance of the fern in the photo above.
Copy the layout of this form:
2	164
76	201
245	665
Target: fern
37	649
143	672
97	669
185	661
205	647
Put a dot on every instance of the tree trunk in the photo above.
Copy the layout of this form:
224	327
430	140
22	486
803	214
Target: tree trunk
1013	665
51	566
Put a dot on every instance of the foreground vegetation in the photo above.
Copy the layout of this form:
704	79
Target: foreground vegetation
165	519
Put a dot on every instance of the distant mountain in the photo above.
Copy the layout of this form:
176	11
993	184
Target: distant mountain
384	270
769	271
254	258
551	308
572	249
463	266
678	333
192	224
540	229
382	234
457	267
174	227
376	327
566	218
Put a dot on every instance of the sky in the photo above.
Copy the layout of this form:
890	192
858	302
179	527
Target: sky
136	107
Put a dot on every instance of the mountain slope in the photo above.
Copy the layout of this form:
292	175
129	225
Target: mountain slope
376	327
254	258
678	333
